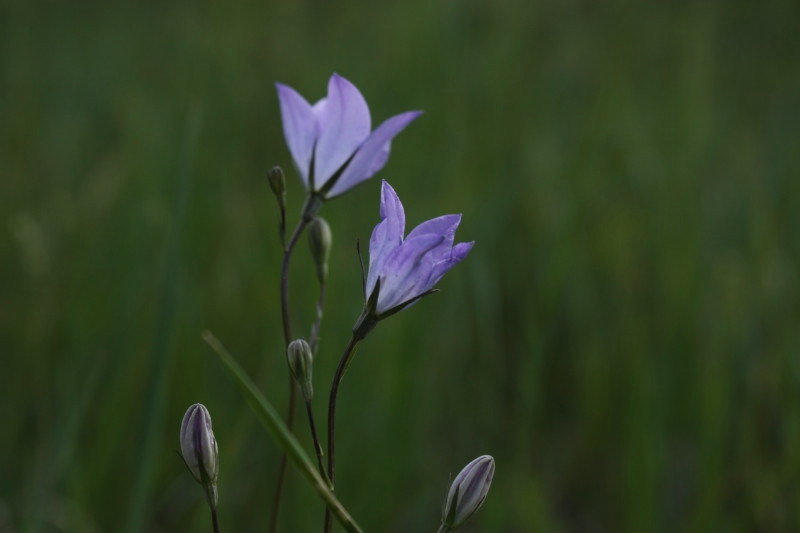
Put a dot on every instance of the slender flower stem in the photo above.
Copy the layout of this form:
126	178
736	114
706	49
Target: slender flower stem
282	224
337	378
363	326
211	498
313	204
317	445
214	520
313	340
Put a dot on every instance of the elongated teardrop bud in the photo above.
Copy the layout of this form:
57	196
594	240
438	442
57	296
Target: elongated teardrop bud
277	182
300	359
199	449
320	240
467	492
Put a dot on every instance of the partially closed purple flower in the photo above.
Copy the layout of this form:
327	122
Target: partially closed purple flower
405	269
467	492
331	142
198	445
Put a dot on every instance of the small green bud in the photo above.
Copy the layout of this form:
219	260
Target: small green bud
199	448
277	182
320	240
467	492
300	359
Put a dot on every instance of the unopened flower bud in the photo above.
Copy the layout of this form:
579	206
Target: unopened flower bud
277	182
320	240
300	359
467	492
199	447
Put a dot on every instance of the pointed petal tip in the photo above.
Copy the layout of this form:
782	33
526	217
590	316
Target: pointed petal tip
461	250
282	89
405	118
342	84
386	188
389	200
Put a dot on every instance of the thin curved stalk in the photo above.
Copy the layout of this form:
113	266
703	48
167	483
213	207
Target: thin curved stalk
311	207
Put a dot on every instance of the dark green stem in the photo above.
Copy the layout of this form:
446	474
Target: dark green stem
317	445
313	340
363	326
214	520
312	206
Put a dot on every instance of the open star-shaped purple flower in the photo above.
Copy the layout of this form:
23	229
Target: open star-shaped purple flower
405	269
331	142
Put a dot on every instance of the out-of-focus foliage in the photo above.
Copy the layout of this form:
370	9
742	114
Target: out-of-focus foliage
623	338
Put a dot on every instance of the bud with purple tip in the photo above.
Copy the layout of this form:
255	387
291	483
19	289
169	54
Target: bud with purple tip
467	492
199	449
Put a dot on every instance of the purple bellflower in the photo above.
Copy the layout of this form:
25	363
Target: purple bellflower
403	270
331	142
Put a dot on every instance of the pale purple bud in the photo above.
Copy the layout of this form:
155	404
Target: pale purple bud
467	492
198	445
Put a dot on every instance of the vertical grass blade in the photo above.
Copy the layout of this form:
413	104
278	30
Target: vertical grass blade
156	394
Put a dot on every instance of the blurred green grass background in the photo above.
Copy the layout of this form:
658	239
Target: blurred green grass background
623	338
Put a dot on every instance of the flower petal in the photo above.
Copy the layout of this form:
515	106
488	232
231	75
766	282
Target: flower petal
346	120
445	225
300	127
387	235
373	153
458	252
406	271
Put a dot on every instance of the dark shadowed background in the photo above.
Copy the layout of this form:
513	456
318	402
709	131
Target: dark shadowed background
623	338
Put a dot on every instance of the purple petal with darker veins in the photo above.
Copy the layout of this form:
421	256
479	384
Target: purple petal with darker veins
319	111
458	253
300	127
347	123
379	248
393	214
387	235
373	153
406	270
444	225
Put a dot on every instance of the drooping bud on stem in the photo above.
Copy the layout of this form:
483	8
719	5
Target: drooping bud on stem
300	359
277	182
467	492
199	449
320	240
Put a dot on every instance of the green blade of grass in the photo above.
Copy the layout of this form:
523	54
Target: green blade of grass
276	427
140	512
